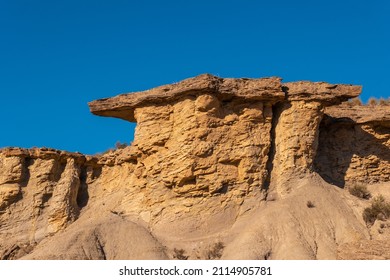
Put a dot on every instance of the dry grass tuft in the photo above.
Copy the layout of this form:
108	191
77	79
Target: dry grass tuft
360	191
372	102
379	210
179	254
216	251
355	102
310	204
119	145
384	102
378	102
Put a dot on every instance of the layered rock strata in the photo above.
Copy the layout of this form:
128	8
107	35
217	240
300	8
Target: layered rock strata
207	134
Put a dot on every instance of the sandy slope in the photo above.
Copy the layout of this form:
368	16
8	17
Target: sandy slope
282	229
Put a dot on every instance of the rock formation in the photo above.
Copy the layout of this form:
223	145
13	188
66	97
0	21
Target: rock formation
232	161
354	145
220	129
41	192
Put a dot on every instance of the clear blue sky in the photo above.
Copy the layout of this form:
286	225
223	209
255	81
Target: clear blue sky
55	56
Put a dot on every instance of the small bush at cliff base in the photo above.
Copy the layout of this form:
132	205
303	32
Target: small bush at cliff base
360	191
179	254
216	251
379	209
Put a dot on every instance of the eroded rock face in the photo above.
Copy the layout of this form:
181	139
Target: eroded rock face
210	135
355	145
202	147
12	176
41	191
213	161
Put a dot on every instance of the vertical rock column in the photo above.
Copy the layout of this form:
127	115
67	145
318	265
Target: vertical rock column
296	136
296	141
11	176
64	208
296	129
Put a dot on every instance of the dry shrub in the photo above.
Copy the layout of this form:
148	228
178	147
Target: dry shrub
360	191
378	102
379	209
355	102
119	145
105	152
310	204
179	254
372	101
216	251
384	102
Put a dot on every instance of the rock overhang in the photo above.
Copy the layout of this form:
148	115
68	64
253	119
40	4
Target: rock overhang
48	154
327	94
360	114
269	90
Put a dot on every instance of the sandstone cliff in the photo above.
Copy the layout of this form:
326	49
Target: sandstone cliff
214	161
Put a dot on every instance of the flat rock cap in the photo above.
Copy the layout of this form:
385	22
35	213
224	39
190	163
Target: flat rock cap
328	94
361	114
123	105
269	90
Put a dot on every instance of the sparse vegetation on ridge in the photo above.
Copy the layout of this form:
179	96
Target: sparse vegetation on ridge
383	101
378	102
371	102
355	102
119	145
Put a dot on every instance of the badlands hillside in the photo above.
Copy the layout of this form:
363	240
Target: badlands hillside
218	169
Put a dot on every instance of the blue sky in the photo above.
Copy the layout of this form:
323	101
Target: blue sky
55	56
